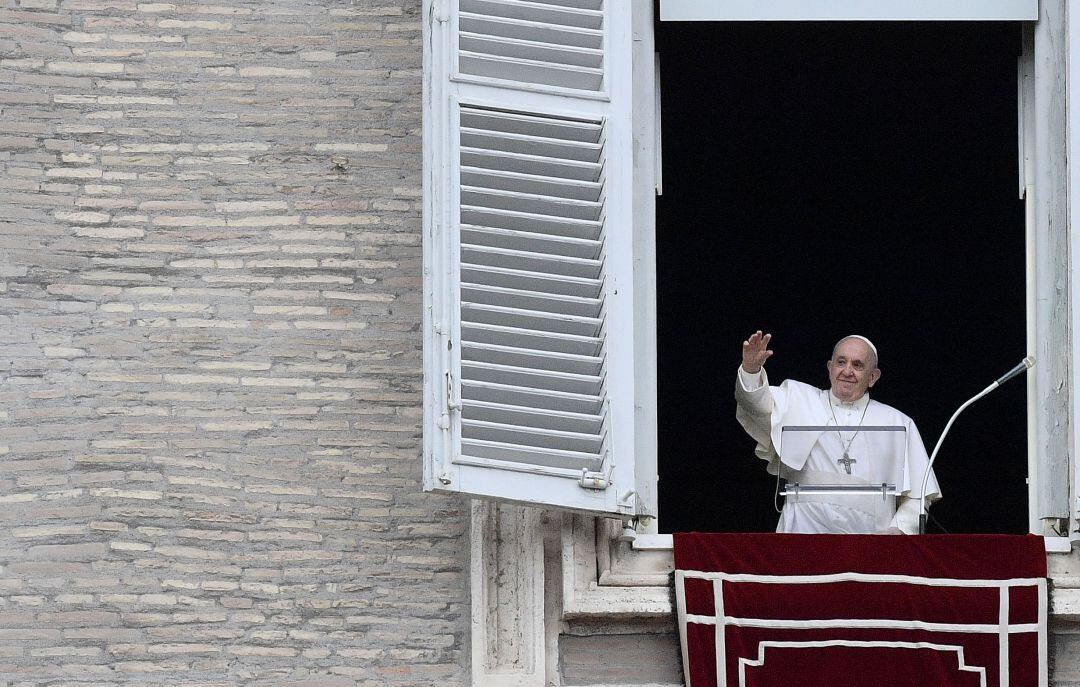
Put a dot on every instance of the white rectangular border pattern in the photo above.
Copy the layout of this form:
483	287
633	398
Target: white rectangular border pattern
720	619
744	662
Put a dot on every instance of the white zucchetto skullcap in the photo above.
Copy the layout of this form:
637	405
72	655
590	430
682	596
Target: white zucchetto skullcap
865	340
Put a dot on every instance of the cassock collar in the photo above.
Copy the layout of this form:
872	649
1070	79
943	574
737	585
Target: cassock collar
857	405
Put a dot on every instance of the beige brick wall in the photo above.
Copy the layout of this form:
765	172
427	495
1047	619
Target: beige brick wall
210	361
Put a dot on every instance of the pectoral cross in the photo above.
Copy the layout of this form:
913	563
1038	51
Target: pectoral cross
846	461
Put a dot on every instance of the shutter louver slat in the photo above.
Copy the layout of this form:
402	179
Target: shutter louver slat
528	202
596	5
529	281
532	302
530	338
508	394
495	237
529	436
499	142
558	44
519	162
530	455
543	447
532	71
527	221
493	122
555	322
533	417
541	360
543	380
533	50
544	186
512	142
532	262
538	11
540	32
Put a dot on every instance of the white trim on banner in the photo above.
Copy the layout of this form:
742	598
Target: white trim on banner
962	666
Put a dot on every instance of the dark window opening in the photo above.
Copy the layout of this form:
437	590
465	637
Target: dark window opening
822	179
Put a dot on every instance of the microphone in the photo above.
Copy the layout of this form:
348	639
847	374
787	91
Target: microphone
1025	364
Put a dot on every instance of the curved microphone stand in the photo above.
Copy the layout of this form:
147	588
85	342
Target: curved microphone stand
1025	364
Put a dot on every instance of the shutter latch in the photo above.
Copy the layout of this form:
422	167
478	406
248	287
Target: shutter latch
595	480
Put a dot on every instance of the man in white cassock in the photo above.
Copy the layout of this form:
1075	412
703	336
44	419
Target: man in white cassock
845	457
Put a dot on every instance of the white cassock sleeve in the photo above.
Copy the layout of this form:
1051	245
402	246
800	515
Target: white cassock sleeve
754	406
909	505
907	516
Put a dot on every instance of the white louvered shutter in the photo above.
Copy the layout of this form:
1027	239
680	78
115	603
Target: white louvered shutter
529	392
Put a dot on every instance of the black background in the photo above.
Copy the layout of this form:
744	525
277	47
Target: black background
822	179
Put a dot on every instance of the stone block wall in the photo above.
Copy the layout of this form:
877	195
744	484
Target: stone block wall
210	356
606	657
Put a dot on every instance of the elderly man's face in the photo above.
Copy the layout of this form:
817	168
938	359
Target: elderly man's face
851	370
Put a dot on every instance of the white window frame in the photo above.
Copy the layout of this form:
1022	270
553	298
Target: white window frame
1053	416
849	10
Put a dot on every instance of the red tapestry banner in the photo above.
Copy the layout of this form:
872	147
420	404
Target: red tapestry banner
762	610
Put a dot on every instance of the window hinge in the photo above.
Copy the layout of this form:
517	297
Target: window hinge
441	11
451	405
444	424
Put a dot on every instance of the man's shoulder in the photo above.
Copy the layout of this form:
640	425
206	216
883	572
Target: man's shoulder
795	389
884	408
801	387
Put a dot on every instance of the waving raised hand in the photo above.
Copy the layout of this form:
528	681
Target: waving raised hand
755	351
